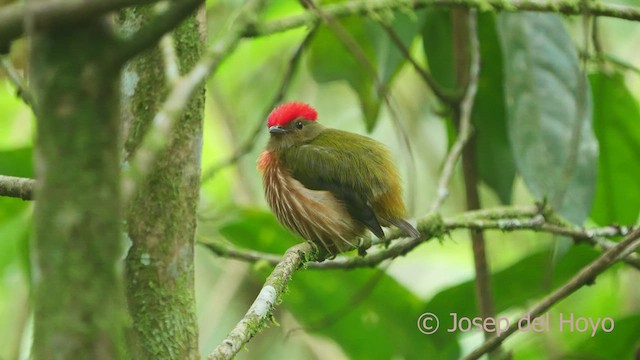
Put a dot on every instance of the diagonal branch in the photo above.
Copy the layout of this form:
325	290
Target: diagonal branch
250	143
464	127
362	7
149	35
260	312
584	277
17	81
433	226
170	59
157	136
438	91
49	14
466	53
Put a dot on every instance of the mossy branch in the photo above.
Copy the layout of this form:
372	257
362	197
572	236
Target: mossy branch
161	216
164	22
43	15
156	138
506	219
432	226
260	312
343	9
17	187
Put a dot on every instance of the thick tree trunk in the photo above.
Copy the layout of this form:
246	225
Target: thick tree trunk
79	307
162	217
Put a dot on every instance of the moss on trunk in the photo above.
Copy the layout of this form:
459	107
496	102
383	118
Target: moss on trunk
79	307
162	217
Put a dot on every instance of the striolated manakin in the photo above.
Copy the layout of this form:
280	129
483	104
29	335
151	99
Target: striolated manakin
327	185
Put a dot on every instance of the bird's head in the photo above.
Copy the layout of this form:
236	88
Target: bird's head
292	123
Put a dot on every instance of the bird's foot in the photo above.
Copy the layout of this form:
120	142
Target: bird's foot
322	253
364	244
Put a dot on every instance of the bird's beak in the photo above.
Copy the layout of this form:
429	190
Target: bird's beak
277	129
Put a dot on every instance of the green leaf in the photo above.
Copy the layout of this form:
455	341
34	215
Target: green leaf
513	287
437	43
257	230
617	126
17	162
386	315
380	324
549	112
495	162
15	225
494	158
331	60
621	343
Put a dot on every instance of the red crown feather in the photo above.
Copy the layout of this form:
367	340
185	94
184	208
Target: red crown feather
287	112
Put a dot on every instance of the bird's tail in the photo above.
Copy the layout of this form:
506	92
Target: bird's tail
406	227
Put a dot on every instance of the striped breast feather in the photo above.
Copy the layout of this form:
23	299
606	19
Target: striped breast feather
312	214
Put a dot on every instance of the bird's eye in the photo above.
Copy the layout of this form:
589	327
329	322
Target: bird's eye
299	125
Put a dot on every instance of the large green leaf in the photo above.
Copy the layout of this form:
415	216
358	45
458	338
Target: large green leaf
257	230
548	106
513	287
438	47
17	162
495	162
494	158
380	326
331	60
15	228
617	126
623	342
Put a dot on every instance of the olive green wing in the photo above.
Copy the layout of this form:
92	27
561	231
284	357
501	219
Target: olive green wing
352	167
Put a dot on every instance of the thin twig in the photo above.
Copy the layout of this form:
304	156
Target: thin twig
348	41
467	68
464	132
171	68
259	313
348	307
358	53
612	60
381	88
17	80
250	143
503	219
362	7
17	187
584	277
164	22
438	91
50	14
297	256
157	136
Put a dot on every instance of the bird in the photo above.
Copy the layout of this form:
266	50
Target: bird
327	185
